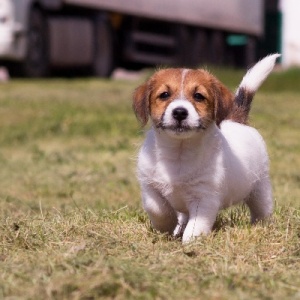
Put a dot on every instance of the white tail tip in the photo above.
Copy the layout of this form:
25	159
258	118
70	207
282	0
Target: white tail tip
258	73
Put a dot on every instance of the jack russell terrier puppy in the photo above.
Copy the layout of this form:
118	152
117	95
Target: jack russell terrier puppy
199	155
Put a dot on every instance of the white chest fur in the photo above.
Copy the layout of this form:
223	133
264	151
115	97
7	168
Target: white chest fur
216	164
177	168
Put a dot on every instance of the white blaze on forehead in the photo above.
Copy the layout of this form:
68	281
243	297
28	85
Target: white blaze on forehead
192	119
183	74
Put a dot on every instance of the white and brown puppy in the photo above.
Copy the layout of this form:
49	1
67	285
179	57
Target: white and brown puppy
198	157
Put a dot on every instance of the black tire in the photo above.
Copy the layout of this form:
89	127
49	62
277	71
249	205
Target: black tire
104	58
36	62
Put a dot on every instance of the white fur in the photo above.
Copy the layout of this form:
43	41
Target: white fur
256	75
192	120
183	74
199	176
187	177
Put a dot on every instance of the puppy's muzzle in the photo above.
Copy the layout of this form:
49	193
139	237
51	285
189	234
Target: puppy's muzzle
180	113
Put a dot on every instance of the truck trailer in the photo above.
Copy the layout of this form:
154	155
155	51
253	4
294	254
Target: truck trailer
38	36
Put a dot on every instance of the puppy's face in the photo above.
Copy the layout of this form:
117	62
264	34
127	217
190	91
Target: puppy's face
181	102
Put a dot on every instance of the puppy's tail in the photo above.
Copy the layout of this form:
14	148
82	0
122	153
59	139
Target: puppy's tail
249	85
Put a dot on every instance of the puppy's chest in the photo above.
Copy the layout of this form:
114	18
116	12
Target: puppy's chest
178	184
175	172
177	178
172	169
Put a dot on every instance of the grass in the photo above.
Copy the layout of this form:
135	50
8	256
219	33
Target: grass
71	223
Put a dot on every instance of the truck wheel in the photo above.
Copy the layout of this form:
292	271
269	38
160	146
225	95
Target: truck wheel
36	62
103	63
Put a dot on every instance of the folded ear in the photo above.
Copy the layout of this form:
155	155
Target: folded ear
224	99
141	103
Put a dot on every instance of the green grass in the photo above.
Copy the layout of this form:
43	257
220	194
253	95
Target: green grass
71	223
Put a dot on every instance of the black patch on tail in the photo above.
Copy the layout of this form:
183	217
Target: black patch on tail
242	106
244	98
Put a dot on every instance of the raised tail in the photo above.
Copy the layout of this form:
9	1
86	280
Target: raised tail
249	85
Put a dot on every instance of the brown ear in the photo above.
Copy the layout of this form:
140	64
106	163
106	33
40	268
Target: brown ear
224	100
141	103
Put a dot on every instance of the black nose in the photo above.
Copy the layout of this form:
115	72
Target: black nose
180	113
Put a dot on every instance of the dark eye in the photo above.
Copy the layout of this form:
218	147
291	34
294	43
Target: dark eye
199	97
164	95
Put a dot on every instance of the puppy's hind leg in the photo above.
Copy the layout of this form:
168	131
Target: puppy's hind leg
260	201
162	216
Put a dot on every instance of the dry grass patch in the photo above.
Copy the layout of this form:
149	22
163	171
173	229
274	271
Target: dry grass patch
71	224
86	254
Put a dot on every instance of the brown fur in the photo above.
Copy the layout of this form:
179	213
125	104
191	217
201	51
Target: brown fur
218	104
242	105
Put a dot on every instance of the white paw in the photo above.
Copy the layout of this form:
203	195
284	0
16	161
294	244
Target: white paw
186	239
179	229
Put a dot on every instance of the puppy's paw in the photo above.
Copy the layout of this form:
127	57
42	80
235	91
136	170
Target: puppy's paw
187	239
178	231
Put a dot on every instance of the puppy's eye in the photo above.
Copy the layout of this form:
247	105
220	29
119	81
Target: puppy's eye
199	97
164	95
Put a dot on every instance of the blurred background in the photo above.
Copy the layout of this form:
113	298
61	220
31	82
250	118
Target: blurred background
44	37
71	222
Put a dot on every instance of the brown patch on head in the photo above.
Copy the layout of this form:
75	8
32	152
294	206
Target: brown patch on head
165	87
218	98
199	90
211	99
153	97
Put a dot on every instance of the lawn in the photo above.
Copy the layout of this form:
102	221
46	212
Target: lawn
71	223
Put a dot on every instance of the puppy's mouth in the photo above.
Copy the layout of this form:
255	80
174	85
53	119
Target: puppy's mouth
180	127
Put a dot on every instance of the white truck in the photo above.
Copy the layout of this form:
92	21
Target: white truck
37	36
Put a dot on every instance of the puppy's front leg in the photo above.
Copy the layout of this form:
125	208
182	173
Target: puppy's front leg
202	215
163	217
182	220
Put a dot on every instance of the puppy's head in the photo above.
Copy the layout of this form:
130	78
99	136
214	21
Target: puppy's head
182	101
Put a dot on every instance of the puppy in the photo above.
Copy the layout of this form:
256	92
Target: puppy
199	156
